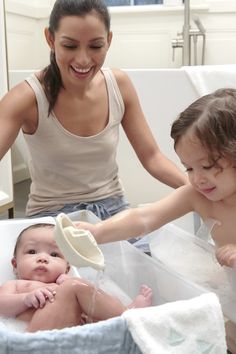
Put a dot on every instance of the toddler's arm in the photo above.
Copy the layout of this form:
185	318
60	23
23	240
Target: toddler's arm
13	303
226	255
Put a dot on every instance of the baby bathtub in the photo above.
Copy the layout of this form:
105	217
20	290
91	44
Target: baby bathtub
126	269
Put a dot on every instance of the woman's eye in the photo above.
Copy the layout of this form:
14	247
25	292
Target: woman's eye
31	252
69	46
96	47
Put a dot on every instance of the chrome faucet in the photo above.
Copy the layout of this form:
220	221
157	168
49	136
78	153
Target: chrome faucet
187	36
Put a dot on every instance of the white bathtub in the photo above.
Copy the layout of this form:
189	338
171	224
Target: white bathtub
163	94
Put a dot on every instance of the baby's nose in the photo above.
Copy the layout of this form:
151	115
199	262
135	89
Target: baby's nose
42	258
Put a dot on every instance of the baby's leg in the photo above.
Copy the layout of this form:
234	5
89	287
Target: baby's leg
75	297
102	306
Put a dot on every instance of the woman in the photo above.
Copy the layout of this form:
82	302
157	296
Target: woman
70	114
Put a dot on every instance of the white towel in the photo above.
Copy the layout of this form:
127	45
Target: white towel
208	78
193	326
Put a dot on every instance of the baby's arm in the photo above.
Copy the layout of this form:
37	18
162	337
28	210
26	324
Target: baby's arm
226	255
13	303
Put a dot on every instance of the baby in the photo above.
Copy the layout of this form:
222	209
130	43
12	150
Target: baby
45	296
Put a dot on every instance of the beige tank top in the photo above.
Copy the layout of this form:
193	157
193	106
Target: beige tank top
66	168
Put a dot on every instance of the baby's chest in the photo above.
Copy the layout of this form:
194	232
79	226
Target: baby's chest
25	286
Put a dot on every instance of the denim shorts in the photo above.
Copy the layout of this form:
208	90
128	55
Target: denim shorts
103	208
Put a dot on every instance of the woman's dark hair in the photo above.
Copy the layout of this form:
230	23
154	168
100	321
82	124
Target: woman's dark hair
31	227
212	120
51	78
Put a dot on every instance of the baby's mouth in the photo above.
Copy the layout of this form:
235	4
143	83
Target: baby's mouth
41	269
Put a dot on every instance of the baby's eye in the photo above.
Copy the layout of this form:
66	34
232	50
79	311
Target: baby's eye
32	251
54	254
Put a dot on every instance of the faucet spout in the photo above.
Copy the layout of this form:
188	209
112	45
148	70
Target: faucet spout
186	34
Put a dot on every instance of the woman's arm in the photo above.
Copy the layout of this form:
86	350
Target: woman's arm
141	137
18	109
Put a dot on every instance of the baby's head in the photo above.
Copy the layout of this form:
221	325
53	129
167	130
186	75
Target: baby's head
210	121
36	255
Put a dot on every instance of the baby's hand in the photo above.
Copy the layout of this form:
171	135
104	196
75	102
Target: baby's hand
226	255
37	298
62	278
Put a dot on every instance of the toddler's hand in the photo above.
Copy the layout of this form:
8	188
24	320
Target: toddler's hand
86	226
226	255
62	278
37	298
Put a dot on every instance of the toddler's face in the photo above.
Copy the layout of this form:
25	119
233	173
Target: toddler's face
38	257
215	180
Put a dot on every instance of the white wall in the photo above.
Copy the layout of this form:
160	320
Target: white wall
6	187
142	35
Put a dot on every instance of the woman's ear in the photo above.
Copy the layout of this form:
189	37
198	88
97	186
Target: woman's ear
109	38
49	38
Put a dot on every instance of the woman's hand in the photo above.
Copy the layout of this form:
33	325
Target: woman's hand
38	297
226	255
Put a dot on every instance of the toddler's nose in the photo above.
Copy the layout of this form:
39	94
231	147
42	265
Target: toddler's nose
199	177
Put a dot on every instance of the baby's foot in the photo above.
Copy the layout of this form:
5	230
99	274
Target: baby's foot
144	298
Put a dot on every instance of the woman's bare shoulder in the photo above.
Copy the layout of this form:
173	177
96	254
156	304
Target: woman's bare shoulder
19	105
126	85
120	75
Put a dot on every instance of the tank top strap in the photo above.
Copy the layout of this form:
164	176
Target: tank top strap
41	98
115	97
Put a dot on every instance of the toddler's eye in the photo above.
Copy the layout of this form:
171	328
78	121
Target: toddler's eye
31	252
208	167
188	169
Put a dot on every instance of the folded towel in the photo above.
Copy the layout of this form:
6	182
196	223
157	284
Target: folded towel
193	326
106	337
208	78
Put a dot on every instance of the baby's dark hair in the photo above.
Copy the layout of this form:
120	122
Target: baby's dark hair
212	120
31	227
51	78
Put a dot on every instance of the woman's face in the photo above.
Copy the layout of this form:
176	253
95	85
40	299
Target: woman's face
80	45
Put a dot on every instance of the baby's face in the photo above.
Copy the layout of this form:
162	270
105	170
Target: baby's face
38	257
